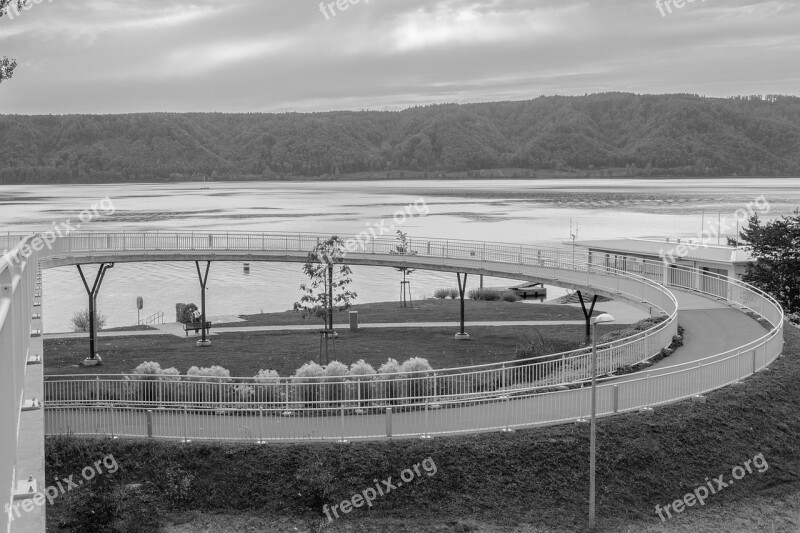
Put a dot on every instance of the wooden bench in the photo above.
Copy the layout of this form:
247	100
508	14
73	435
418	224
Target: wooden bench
195	326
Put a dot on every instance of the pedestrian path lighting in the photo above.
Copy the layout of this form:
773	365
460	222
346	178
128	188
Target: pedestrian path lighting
601	319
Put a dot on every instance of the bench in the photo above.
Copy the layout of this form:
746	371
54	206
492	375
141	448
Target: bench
195	326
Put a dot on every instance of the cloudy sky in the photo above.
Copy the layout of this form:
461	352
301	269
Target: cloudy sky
100	56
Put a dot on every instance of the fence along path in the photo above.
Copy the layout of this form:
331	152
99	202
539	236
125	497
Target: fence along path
480	398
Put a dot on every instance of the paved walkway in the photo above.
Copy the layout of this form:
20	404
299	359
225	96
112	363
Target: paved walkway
177	329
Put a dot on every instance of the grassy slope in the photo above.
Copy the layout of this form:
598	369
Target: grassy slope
245	353
429	310
498	481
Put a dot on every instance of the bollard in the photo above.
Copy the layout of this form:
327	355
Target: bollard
149	422
389	422
615	398
353	320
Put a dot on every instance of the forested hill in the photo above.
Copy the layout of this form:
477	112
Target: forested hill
644	135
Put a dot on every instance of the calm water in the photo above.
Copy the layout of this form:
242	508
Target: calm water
530	212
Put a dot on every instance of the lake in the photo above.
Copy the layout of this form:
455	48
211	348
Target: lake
518	211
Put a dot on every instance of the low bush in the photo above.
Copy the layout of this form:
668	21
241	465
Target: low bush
390	384
441	293
308	390
493	295
363	374
335	388
488	295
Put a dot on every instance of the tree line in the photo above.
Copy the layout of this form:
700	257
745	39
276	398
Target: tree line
599	135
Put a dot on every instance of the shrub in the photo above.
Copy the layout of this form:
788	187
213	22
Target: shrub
212	388
142	384
416	364
308	390
148	370
390	384
335	373
364	375
267	386
441	293
488	295
453	293
511	296
417	370
80	321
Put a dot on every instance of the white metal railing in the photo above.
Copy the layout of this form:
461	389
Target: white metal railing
551	263
513	394
17	279
155	318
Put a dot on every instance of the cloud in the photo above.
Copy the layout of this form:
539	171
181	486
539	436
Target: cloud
275	55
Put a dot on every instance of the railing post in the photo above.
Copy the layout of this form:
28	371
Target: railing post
615	398
343	439
185	423
149	417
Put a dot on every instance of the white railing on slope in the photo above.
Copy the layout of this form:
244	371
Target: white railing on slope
17	280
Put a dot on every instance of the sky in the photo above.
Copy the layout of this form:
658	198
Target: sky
98	56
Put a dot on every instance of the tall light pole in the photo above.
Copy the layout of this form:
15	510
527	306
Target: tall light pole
601	319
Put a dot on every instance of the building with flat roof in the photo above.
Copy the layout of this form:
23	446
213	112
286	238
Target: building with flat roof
633	255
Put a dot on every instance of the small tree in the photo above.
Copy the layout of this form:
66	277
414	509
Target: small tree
80	321
775	247
328	290
404	248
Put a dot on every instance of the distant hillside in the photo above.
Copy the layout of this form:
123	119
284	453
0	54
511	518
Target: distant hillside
643	135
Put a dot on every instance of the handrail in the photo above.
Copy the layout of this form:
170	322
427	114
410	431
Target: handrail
16	299
152	319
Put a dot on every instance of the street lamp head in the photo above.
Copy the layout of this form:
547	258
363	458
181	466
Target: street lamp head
605	318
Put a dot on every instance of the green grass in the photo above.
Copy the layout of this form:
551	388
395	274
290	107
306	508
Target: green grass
430	310
533	480
245	353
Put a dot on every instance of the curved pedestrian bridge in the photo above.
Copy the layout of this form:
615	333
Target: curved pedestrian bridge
723	344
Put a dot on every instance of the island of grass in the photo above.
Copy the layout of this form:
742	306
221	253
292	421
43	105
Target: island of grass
245	353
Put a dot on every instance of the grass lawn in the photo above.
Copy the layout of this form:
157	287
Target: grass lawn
527	481
430	310
245	353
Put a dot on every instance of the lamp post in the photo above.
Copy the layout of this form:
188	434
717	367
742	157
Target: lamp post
601	319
